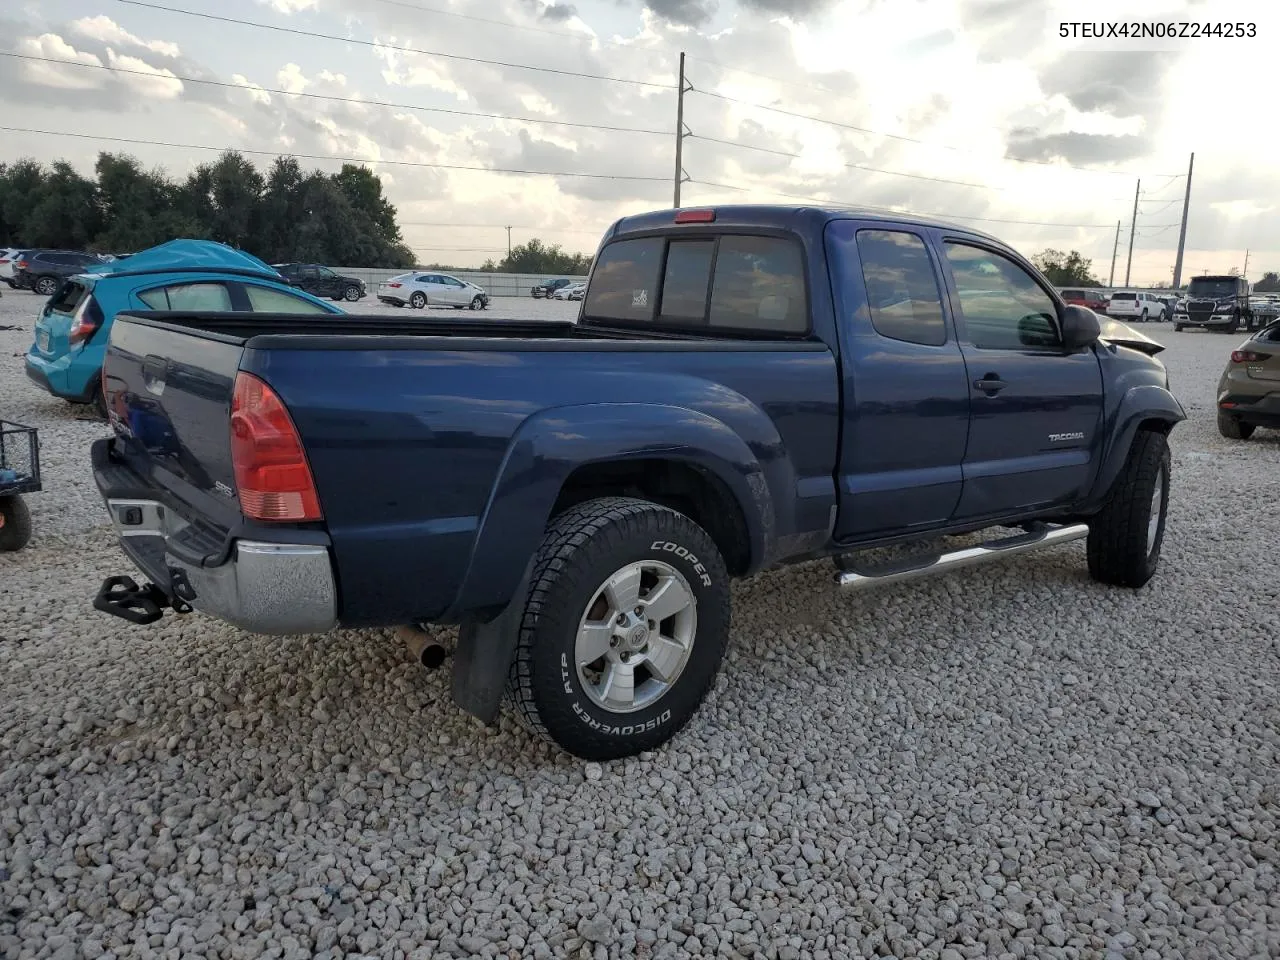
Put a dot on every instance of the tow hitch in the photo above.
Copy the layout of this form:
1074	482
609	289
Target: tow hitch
122	597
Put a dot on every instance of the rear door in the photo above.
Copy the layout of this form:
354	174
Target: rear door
1035	409
905	386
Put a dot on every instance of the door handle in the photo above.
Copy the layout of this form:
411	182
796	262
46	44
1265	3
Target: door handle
990	384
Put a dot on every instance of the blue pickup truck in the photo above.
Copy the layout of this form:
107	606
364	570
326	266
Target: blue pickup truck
745	386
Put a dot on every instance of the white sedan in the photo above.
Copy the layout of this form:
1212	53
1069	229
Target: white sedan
574	291
420	290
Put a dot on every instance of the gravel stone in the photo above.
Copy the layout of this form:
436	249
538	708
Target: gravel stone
910	772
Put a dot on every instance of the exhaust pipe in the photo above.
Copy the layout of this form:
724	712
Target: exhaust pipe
422	647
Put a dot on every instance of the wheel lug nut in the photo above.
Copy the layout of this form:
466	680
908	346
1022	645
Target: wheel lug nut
622	618
639	611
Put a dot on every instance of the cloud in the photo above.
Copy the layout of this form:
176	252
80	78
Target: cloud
1075	148
291	6
559	12
1124	83
106	30
795	9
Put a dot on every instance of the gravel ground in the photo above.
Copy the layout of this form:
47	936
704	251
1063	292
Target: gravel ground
1008	762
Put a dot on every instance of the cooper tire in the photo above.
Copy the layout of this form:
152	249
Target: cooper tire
15	524
583	567
418	300
1231	427
1126	536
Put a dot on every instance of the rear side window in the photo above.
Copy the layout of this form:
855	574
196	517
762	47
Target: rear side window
902	289
266	300
188	296
1072	294
1123	296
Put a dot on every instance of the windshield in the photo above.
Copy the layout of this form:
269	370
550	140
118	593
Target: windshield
1225	287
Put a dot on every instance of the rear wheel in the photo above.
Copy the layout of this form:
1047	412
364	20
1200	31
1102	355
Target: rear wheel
1125	538
624	629
418	300
15	524
1231	427
45	286
1143	318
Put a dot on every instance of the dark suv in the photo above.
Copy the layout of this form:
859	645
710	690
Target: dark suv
319	281
547	288
41	271
1219	302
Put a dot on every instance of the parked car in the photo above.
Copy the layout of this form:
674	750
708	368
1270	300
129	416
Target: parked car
1249	389
1134	305
1215	302
577	496
1265	310
571	291
8	256
1090	299
419	290
320	281
41	271
65	357
548	288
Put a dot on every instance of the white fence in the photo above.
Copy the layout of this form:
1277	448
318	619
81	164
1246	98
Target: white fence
495	284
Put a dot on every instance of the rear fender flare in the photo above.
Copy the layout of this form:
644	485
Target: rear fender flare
550	445
1138	405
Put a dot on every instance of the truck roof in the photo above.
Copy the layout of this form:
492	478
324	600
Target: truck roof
785	216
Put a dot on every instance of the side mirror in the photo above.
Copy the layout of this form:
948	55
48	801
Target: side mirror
1079	328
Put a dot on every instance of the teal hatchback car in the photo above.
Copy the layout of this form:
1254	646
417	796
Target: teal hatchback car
71	332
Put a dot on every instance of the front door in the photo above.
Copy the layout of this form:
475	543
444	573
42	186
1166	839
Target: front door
1035	409
906	397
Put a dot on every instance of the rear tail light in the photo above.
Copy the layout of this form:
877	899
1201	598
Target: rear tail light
1248	356
393	285
87	321
696	216
20	264
272	475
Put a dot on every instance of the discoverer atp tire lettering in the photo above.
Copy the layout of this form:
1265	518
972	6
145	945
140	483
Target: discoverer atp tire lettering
581	550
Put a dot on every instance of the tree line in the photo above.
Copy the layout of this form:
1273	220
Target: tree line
288	215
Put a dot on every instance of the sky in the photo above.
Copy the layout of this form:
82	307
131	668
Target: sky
976	111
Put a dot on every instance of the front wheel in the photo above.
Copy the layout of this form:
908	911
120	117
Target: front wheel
351	294
1126	536
477	303
15	523
1177	328
624	629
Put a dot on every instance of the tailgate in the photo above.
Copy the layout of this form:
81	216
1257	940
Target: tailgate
168	392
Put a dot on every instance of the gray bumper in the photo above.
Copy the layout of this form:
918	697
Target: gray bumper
273	588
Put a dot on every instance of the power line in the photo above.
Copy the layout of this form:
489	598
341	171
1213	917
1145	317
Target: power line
326	156
324	96
391	46
917	213
855	166
891	136
765	76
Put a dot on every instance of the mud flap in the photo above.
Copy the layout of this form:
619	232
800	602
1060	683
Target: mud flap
483	658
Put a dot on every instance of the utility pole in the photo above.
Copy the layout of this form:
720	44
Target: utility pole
508	243
1182	235
1133	230
682	89
1115	248
1245	275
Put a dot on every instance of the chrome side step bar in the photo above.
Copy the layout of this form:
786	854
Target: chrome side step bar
1043	536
